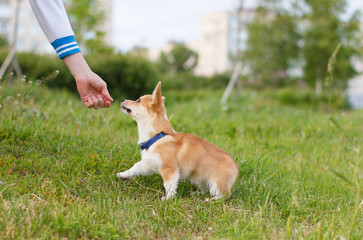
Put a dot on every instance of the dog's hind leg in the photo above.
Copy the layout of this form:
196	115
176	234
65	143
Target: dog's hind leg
214	192
202	188
221	184
171	178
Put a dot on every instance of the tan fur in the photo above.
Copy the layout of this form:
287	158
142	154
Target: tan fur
199	161
182	155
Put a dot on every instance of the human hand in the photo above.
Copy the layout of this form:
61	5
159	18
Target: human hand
93	91
91	88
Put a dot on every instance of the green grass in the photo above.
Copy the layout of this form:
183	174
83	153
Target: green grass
300	170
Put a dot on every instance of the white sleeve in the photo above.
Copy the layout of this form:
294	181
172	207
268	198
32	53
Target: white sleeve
53	20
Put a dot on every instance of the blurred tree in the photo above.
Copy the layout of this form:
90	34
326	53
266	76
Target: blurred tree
272	44
139	51
325	30
3	42
86	16
180	59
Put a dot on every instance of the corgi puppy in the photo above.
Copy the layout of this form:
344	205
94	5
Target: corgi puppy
176	155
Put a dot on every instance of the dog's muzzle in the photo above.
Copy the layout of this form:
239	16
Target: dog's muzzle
128	110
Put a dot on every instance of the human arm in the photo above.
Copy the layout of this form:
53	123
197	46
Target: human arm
54	22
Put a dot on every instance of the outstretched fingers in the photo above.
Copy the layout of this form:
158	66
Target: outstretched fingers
106	95
97	102
89	102
107	103
101	102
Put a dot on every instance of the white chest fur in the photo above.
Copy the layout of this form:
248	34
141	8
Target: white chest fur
151	161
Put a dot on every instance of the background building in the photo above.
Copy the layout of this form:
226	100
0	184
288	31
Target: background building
6	19
223	35
107	25
30	37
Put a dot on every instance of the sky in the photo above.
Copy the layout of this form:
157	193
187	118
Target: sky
152	23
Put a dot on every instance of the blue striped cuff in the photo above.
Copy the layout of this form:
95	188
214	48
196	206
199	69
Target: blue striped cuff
65	46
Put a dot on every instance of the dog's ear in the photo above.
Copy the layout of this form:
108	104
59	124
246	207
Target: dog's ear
156	98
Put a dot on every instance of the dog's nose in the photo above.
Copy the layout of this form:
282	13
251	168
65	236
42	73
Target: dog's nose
123	100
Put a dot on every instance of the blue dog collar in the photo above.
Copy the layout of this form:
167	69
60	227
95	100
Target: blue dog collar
147	144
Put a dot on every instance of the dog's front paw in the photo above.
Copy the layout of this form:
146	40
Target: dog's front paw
123	175
166	198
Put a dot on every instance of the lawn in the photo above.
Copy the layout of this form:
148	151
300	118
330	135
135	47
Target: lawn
300	170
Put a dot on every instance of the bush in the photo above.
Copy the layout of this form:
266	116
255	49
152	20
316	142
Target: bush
36	67
307	98
125	75
187	80
218	81
184	80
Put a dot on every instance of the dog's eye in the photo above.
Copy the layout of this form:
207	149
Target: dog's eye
138	100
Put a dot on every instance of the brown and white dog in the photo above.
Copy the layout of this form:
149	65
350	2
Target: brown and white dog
176	155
